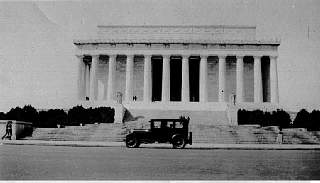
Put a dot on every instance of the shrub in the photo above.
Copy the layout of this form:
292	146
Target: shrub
106	114
52	117
315	120
267	119
30	114
281	119
93	115
302	119
15	114
244	117
77	115
258	116
2	116
274	118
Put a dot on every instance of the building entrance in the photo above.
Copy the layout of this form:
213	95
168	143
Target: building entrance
175	78
156	64
194	66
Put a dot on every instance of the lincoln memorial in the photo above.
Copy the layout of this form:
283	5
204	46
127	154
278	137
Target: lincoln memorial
168	71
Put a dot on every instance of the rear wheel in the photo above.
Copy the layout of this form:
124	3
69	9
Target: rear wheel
178	142
132	141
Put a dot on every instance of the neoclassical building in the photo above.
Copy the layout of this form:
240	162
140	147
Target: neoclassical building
168	71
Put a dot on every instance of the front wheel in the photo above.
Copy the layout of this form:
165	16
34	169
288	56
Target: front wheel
178	142
132	141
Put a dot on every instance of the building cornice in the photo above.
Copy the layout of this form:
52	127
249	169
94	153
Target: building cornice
274	42
178	26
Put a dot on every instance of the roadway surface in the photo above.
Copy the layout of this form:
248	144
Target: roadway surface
31	162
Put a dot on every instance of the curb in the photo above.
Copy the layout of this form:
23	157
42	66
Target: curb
168	146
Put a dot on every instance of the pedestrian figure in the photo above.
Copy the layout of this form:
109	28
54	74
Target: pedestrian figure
8	130
280	138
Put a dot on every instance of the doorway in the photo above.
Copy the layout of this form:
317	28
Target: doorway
175	78
194	66
156	68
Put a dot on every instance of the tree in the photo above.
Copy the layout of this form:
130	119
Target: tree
15	114
30	114
282	118
2	116
77	115
315	120
302	119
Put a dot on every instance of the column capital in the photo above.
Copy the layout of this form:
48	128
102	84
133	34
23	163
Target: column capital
166	56
273	56
95	56
147	56
222	56
240	56
186	56
257	56
112	56
204	56
130	56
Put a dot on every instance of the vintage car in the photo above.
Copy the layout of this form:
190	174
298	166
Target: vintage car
174	131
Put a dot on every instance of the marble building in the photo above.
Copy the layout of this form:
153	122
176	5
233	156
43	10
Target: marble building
178	70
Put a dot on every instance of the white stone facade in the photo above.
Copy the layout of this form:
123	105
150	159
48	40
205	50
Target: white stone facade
126	49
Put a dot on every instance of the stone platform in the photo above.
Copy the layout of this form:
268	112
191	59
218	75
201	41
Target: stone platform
202	133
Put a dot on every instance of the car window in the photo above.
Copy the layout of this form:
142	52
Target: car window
179	124
170	124
157	124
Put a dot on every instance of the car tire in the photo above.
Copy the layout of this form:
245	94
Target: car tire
178	142
132	141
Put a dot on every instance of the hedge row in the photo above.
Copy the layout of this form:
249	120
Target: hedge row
275	118
304	119
52	117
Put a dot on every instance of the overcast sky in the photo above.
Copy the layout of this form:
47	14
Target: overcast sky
296	23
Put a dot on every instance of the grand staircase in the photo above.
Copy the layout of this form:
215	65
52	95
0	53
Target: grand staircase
89	132
202	133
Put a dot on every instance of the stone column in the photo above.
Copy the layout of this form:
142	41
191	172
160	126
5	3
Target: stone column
147	82
111	74
185	91
257	80
274	80
239	96
203	79
166	79
222	77
87	80
129	78
93	70
81	77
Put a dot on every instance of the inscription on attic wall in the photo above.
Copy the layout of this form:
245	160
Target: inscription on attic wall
176	32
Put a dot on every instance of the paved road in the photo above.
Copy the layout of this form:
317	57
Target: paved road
27	162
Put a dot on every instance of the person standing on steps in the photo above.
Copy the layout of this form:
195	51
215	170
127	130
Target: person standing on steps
8	130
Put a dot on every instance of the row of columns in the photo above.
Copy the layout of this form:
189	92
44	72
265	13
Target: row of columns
87	74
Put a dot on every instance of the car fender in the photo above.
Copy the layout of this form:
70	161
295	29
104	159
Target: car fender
175	135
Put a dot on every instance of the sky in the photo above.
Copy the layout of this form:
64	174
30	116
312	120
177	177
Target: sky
295	22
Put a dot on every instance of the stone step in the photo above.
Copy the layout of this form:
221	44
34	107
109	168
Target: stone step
202	133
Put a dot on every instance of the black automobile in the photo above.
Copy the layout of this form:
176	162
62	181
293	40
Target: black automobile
174	131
